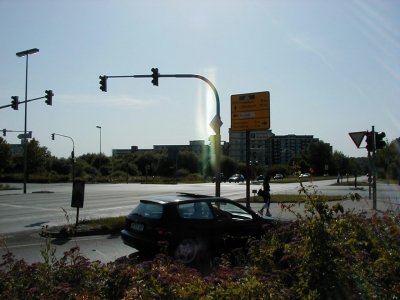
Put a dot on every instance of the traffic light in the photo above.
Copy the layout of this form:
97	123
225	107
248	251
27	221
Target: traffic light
379	142
14	102
103	83
4	132
155	76
370	146
52	136
49	97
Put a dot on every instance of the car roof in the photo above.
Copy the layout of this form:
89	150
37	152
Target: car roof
181	197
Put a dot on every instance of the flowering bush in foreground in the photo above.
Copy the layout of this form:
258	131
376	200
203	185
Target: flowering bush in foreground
327	253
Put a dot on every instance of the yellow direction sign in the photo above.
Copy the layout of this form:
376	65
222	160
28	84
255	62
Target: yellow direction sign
250	111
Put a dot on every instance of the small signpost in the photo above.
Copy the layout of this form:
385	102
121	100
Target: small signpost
78	195
25	136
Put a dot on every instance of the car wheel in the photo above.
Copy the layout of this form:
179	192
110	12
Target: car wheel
186	251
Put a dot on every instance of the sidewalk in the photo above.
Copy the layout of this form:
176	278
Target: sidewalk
364	206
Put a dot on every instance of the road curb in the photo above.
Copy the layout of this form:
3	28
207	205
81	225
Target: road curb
66	234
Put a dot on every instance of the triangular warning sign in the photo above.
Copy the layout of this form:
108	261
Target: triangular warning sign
357	137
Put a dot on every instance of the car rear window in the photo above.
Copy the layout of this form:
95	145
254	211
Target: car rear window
148	210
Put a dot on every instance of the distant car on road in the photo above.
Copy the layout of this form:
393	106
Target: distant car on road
326	175
222	178
192	225
278	176
236	178
260	177
305	175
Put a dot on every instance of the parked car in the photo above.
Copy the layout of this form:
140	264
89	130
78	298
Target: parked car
222	178
305	175
278	176
260	177
236	178
326	175
193	225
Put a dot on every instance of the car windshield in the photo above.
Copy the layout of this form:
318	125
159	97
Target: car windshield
236	212
148	210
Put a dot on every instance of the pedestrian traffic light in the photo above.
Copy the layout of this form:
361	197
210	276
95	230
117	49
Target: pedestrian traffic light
4	132
49	97
103	83
379	142
155	76
14	102
52	136
370	146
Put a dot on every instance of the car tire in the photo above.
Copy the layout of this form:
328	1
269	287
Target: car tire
186	251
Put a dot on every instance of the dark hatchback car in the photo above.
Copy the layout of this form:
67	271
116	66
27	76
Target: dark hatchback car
192	225
236	178
222	178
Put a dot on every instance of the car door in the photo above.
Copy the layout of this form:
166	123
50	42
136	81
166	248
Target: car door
197	222
234	224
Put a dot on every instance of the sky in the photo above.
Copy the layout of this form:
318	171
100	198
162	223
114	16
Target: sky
332	67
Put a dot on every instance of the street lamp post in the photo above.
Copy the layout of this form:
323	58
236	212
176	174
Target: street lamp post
100	147
72	153
22	54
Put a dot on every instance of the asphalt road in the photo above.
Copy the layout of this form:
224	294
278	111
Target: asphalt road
43	204
23	215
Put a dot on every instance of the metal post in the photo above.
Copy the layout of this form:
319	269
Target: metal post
373	170
100	148
22	54
248	172
26	117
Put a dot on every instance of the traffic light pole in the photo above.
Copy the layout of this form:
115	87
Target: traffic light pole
217	129
73	166
374	172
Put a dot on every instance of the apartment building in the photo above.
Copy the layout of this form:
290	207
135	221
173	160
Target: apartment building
277	149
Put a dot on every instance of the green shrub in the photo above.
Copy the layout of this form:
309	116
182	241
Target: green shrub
327	253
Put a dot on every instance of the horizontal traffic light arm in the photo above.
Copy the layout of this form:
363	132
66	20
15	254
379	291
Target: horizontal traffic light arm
20	102
4	106
177	76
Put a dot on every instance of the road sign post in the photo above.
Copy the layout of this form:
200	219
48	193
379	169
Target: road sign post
78	196
250	112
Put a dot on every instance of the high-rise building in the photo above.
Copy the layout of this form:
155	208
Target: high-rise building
278	149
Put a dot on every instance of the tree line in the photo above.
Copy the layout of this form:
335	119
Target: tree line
317	157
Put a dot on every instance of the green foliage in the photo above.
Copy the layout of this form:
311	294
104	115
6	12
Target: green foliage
327	253
195	178
279	169
182	172
5	154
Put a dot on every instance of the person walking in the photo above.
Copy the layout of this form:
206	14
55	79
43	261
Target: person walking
266	196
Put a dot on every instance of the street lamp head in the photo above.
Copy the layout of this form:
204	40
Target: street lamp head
27	52
98	127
